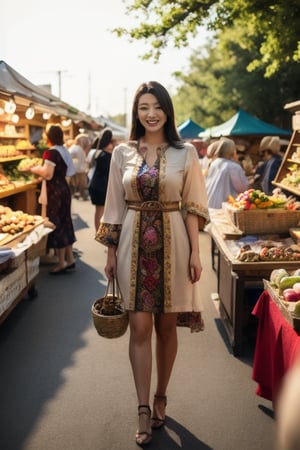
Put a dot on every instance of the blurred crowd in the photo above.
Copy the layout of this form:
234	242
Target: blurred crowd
230	169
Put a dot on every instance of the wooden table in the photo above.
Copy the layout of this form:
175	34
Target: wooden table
234	277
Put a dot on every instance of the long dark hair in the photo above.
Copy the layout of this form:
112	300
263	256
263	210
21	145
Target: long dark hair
161	94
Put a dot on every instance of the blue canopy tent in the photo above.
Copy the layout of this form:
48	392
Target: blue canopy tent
243	124
189	129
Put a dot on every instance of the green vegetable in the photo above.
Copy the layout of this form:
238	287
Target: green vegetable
288	282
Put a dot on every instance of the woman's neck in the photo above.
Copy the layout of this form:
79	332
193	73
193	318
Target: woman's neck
153	139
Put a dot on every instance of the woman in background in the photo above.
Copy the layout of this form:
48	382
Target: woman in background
57	165
79	151
225	176
99	160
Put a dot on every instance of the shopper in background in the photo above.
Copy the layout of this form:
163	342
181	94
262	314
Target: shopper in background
270	149
225	176
156	203
57	165
79	152
211	154
99	162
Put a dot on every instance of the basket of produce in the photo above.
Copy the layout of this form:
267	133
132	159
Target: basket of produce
253	212
109	315
284	289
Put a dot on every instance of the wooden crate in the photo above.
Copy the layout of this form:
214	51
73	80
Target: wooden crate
33	268
12	285
286	312
38	249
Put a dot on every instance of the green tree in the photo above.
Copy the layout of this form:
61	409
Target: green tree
276	23
217	83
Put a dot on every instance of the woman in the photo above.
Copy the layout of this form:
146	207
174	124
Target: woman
79	151
100	157
225	176
155	205
57	165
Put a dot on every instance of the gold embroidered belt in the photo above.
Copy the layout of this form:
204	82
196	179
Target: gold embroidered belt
154	206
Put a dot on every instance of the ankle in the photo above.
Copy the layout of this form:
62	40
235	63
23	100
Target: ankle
144	409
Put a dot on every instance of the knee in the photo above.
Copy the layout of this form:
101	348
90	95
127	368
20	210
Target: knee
139	334
165	333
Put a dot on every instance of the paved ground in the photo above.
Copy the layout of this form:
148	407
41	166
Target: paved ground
62	387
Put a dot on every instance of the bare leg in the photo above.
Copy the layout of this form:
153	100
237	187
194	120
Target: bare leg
69	255
140	353
61	252
166	351
98	214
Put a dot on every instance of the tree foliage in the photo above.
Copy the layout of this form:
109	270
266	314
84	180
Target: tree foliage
217	84
275	22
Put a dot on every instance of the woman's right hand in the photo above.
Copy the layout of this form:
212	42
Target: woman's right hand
111	263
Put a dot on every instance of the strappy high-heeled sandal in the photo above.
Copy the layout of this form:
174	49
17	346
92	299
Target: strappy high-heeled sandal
159	413
143	435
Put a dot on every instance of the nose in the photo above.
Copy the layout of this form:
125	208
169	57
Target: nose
151	112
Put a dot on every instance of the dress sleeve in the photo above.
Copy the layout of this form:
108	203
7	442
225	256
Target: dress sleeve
194	197
49	155
115	205
238	177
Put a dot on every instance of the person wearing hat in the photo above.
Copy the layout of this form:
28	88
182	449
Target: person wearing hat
270	150
99	162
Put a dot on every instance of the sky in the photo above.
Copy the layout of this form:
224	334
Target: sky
48	41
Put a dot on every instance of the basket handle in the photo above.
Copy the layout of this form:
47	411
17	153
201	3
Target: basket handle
113	287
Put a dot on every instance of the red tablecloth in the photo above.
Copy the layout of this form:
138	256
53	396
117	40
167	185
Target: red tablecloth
277	344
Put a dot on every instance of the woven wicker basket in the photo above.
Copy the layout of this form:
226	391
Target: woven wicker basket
109	315
288	315
259	221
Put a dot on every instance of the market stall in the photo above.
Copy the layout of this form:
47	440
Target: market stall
22	242
25	112
254	234
237	277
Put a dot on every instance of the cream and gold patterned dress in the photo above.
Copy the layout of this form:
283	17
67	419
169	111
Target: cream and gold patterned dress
152	244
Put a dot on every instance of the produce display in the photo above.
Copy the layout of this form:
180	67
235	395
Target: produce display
256	199
268	251
26	163
17	171
296	154
9	151
292	178
287	287
13	222
5	182
24	144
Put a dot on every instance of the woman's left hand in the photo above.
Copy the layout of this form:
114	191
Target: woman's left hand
195	267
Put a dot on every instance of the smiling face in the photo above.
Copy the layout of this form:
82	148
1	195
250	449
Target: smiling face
150	113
